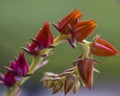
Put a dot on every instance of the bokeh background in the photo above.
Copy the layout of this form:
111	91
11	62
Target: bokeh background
21	19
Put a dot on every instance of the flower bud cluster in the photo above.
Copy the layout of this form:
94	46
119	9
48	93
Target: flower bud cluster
74	29
67	81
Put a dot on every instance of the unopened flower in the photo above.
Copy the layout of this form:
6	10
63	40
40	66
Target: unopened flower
49	79
42	40
81	31
70	82
63	82
70	19
74	29
58	86
19	67
47	82
76	87
85	68
101	47
8	79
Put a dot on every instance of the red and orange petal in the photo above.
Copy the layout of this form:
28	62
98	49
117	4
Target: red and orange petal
103	48
71	19
84	29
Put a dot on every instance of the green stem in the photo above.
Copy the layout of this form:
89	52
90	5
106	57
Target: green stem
59	39
86	48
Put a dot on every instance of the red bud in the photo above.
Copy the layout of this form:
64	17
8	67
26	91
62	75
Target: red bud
101	47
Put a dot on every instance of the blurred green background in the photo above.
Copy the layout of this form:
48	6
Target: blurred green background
21	19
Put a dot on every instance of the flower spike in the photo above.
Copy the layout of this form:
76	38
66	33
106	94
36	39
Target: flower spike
73	30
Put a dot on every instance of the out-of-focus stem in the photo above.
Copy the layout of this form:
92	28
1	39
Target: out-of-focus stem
8	92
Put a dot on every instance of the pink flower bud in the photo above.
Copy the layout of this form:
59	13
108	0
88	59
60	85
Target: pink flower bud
20	66
9	79
101	47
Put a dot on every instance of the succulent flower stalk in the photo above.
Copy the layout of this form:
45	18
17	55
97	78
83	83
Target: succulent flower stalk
73	30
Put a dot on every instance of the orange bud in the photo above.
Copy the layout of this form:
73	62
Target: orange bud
70	19
84	29
101	47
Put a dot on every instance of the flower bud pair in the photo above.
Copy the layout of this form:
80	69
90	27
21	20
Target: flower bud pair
74	29
18	69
